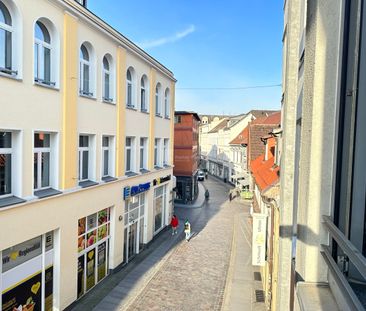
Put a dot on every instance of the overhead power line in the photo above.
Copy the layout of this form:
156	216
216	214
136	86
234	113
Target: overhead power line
231	88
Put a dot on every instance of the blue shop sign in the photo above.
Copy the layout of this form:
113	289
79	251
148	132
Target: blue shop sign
135	190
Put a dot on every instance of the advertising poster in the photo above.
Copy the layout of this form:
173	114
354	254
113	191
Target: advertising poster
91	238
26	296
259	239
102	232
81	261
90	269
48	289
101	261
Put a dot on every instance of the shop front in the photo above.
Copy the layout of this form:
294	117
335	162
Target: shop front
93	249
187	189
134	220
26	280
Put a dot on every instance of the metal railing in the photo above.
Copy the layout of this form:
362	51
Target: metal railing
353	255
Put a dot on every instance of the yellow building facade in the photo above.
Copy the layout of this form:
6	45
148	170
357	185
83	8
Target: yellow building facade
86	136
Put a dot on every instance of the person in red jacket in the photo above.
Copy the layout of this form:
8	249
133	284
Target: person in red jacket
174	223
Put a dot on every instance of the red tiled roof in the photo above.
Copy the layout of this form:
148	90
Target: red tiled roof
265	173
274	118
242	138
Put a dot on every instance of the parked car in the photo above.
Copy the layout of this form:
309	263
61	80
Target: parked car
201	176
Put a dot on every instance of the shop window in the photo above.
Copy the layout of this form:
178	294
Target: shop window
93	249
159	208
27	275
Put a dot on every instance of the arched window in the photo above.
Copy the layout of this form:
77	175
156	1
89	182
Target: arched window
107	79
144	96
85	71
130	88
167	103
42	54
158	99
6	30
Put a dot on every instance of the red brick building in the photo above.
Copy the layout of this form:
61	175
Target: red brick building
186	155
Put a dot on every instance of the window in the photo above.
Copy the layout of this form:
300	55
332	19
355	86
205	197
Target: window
42	158
167	103
84	154
130	88
159	208
6	32
143	153
144	96
157	152
107	83
166	152
130	154
106	155
158	100
6	152
177	119
42	55
85	71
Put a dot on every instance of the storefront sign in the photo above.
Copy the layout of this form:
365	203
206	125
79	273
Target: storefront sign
135	190
161	180
20	253
259	239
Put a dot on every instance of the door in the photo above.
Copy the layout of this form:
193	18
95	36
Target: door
130	242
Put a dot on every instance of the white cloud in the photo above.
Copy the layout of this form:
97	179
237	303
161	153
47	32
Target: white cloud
170	39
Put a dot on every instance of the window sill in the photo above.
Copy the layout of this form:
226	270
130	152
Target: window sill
131	174
87	183
131	108
10	201
110	102
10	76
167	117
144	171
46	193
46	86
167	165
87	96
158	115
108	178
145	111
158	167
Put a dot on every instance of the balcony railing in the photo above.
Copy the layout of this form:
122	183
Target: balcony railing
352	254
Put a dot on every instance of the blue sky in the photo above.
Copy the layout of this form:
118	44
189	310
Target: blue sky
208	44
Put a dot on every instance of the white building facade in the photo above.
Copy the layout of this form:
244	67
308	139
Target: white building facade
86	146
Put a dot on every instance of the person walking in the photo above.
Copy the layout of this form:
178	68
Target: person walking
187	229
174	223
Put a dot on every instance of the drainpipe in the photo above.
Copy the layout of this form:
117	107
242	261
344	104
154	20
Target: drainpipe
272	205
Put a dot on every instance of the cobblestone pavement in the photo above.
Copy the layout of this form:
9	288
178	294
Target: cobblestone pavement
194	276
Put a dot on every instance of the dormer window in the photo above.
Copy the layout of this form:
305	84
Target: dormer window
82	2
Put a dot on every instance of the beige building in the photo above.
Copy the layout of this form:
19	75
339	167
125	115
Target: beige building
322	243
86	148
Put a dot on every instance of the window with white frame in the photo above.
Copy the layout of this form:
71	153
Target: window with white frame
158	99
144	95
42	54
130	88
6	158
166	152
107	79
84	157
143	153
85	71
167	103
41	161
106	156
6	40
130	154
157	152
